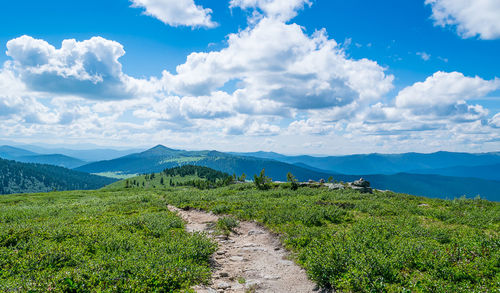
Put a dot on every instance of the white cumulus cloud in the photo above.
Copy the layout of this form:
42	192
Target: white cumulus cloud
283	10
276	62
495	121
443	88
471	17
88	68
177	12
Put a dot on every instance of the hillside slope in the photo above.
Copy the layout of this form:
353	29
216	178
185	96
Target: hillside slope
490	172
27	156
9	152
87	155
56	160
388	163
18	177
159	158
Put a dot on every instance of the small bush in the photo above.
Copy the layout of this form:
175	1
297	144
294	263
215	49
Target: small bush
226	225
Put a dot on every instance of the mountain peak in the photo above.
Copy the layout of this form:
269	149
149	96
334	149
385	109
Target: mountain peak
159	150
159	147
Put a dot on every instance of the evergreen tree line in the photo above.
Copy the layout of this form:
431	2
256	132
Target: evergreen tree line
18	177
200	171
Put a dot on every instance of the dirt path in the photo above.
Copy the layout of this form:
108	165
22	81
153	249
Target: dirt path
251	260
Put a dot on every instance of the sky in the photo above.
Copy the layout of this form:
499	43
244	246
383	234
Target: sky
327	77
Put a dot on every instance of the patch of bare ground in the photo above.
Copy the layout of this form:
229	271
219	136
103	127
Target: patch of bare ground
250	260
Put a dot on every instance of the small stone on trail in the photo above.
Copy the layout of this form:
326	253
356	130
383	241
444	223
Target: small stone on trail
224	275
236	258
252	284
254	232
223	285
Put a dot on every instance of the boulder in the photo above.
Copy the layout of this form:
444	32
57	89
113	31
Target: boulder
361	183
334	186
361	189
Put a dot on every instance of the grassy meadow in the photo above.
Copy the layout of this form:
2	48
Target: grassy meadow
381	242
123	239
97	241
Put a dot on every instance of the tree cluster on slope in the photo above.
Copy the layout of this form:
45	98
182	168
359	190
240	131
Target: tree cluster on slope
18	177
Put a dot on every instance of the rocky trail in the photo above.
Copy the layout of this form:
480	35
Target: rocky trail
249	260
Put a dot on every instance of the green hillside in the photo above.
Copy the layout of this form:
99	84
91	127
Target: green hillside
159	158
18	177
125	239
187	175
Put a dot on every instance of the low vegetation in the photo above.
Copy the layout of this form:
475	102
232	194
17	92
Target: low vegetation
188	175
371	242
226	225
123	238
97	241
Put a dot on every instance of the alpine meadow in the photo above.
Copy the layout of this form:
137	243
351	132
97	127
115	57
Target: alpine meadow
250	146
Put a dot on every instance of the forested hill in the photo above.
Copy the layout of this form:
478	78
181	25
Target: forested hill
18	177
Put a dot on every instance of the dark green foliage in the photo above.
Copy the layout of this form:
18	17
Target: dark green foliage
381	242
199	171
262	182
226	225
28	178
290	178
195	176
105	241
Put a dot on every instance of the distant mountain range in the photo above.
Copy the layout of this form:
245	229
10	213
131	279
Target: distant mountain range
441	174
483	165
87	155
160	158
25	156
18	177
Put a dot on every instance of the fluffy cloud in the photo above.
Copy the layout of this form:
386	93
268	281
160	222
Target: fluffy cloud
177	12
17	106
471	17
276	62
443	93
495	121
272	79
437	106
89	68
440	103
283	10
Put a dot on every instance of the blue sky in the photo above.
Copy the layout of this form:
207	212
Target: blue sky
293	76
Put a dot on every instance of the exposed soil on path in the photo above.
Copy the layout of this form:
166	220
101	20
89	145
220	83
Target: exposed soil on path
250	260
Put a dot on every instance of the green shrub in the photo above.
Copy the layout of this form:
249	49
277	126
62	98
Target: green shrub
226	225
